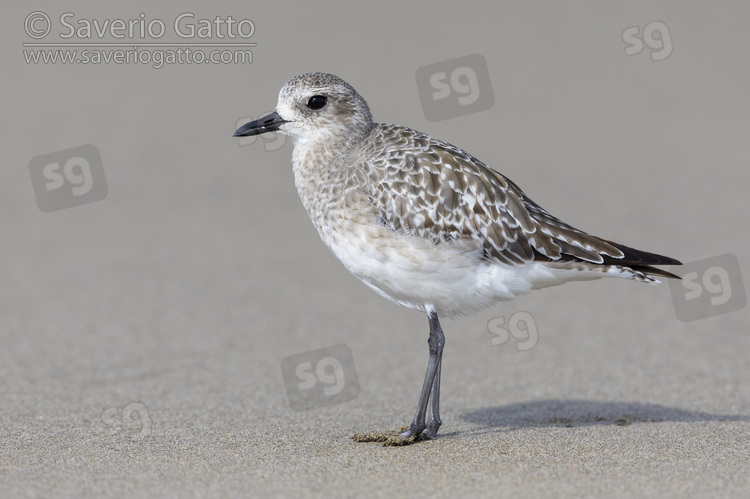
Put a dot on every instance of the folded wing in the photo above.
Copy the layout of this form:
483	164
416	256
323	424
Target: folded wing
434	190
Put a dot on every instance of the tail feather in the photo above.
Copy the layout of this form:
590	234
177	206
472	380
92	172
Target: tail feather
642	263
635	264
639	258
653	271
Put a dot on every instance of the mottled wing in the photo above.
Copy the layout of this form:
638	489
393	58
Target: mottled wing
432	189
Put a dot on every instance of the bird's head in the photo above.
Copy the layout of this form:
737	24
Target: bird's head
313	107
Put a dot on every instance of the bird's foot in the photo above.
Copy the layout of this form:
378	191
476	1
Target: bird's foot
433	425
392	438
412	430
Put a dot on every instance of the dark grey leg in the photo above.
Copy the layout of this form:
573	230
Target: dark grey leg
433	424
431	386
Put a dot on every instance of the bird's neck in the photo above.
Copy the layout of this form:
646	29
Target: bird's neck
320	177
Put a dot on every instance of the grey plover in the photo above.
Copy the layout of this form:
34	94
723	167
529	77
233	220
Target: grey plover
424	223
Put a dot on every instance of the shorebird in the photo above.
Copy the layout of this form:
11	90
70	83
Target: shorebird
424	223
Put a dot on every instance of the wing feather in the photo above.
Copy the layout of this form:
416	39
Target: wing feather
432	189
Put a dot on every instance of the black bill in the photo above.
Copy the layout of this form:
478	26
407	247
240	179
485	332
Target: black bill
270	123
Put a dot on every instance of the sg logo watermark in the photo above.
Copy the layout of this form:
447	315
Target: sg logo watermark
133	420
272	141
709	287
521	326
655	36
68	178
453	88
320	378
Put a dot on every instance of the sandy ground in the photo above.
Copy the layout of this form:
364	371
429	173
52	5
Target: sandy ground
142	335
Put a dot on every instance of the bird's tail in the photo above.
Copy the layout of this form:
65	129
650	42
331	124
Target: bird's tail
641	264
643	273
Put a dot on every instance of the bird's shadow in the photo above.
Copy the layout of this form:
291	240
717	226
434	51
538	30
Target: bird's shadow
575	413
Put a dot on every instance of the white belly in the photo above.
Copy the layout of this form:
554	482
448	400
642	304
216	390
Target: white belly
453	278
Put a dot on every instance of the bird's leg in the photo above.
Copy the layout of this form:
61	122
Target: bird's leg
431	386
434	422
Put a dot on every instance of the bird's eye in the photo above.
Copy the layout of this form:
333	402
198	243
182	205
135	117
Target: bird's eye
317	102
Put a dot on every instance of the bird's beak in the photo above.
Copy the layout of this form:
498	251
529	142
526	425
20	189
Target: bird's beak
270	123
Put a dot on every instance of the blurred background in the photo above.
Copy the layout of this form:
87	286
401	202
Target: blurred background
188	269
